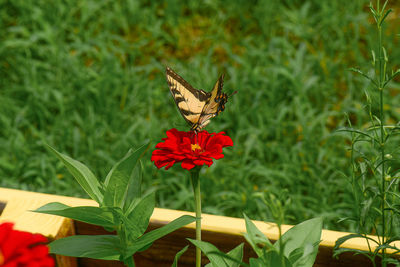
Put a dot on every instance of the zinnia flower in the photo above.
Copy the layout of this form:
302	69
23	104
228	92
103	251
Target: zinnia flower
23	249
190	149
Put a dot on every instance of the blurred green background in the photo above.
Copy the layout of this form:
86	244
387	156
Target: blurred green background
87	77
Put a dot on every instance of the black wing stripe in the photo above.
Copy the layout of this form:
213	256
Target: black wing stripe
197	107
188	112
179	99
201	95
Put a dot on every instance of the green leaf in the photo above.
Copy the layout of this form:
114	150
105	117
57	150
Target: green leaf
211	252
138	220
343	239
339	251
134	191
236	253
106	217
103	247
273	259
117	180
152	236
303	236
233	258
385	15
82	174
352	130
365	75
300	252
145	247
255	237
256	262
178	255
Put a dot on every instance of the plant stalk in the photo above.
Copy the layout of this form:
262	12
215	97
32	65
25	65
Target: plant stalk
381	81
130	262
382	131
197	198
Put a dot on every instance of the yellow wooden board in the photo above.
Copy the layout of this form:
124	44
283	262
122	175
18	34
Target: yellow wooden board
20	203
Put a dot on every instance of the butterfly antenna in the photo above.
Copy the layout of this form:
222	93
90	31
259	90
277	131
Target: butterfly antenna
233	93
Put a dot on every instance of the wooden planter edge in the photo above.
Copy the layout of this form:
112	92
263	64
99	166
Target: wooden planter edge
18	205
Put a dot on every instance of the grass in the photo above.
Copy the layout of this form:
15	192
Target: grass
87	77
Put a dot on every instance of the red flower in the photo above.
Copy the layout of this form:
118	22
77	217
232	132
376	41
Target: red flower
190	149
23	249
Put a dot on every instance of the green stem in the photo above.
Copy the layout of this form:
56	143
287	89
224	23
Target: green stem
121	233
130	262
281	246
197	198
382	131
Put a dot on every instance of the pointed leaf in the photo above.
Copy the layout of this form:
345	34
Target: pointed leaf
150	237
302	236
384	16
134	190
236	253
178	255
365	75
343	239
82	175
138	219
256	262
117	180
298	253
255	237
211	252
339	251
272	258
104	216
233	258
103	247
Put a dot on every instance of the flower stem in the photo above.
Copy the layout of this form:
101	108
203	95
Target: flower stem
197	198
130	262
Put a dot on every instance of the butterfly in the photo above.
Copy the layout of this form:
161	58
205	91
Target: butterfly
196	106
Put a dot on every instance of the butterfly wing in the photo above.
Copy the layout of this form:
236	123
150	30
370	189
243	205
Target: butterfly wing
213	106
190	101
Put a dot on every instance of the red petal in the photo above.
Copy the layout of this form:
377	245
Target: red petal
187	164
177	147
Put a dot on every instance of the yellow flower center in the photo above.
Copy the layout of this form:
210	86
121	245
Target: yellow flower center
195	147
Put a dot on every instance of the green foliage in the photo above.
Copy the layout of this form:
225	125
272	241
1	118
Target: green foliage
300	243
375	159
116	184
128	216
82	175
255	237
104	247
152	236
178	255
297	247
103	216
88	77
217	258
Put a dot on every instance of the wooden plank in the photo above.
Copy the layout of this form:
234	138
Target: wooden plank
162	252
224	232
17	205
236	226
20	203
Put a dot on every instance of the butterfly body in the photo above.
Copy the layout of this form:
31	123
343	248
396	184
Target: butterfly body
197	107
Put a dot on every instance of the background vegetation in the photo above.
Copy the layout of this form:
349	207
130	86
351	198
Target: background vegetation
87	77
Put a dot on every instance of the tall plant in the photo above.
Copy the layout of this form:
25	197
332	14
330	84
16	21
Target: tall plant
121	208
375	181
